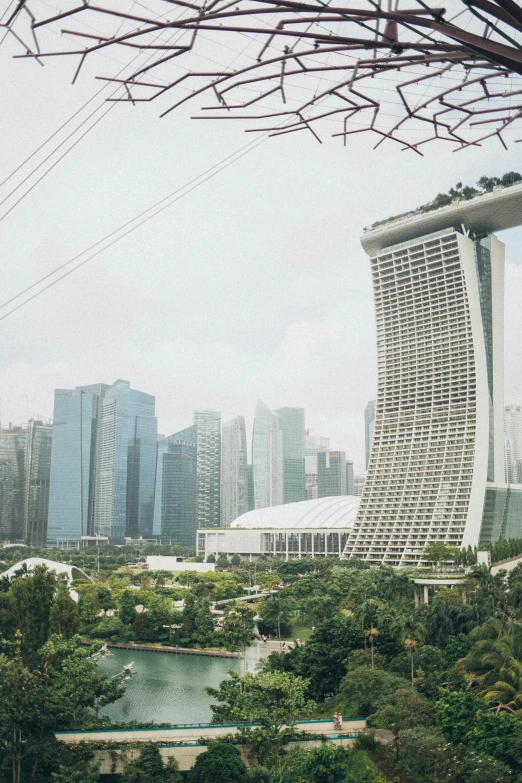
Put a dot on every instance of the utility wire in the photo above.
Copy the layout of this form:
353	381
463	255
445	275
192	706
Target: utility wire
172	198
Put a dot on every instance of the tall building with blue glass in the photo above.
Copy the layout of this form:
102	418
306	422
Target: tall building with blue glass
73	461
293	427
175	504
126	463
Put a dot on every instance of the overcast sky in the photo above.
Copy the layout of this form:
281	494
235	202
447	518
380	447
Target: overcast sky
253	286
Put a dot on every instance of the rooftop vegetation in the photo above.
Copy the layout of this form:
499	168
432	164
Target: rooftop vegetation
458	193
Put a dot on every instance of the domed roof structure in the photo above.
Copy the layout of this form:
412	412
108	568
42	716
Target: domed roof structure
330	513
30	563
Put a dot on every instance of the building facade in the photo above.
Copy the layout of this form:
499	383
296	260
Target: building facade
12	482
208	424
314	444
37	476
350	478
76	421
293	428
369	423
513	443
331	473
234	470
126	463
267	458
438	433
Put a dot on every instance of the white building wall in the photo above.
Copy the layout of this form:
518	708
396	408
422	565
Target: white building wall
428	464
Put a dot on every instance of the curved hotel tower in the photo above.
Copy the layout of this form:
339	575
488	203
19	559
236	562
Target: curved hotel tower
438	281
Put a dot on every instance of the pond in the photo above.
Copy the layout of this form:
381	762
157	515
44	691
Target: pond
166	688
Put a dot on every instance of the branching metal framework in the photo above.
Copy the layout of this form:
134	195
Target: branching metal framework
400	69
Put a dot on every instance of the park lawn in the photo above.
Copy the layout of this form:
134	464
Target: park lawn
301	632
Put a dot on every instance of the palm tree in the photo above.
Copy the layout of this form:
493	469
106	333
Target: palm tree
411	645
371	634
495	662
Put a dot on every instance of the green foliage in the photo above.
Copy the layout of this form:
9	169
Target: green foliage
326	764
238	626
211	558
71	775
361	769
63	616
364	690
322	659
221	763
401	710
235	561
149	768
127	607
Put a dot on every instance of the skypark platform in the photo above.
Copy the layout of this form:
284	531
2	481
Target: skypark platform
486	213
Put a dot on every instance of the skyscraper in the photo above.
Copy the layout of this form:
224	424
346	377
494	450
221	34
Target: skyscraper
208	425
369	422
331	473
126	463
438	436
37	474
293	427
73	461
234	471
314	444
513	442
267	457
175	502
350	479
12	482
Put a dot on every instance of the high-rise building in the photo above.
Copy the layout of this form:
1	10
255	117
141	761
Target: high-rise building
208	425
513	442
359	481
314	444
267	457
37	474
182	497
369	423
234	471
331	473
438	434
126	463
250	474
350	479
293	427
73	461
12	482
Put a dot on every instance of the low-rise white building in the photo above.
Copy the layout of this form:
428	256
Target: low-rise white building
311	528
170	563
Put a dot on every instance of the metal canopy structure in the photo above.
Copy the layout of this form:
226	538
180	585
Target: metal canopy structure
400	69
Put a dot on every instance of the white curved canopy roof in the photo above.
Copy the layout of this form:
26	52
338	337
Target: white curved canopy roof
72	572
332	512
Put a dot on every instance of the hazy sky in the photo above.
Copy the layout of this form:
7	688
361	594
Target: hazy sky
253	286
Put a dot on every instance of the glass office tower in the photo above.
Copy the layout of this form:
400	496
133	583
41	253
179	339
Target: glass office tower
267	457
208	424
175	502
293	427
37	474
234	471
73	461
12	482
126	463
331	473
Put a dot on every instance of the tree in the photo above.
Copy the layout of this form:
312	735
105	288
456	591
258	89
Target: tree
222	562
403	709
235	561
238	627
221	763
275	615
63	617
211	558
149	768
274	700
364	690
88	607
204	623
322	659
438	552
68	775
127	610
326	764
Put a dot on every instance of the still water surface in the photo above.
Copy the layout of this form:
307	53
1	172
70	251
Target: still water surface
166	688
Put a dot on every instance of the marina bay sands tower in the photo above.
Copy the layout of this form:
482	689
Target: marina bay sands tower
436	466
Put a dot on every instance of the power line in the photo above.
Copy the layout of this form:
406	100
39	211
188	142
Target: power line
195	183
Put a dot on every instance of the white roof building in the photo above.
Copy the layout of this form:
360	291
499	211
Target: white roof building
311	528
72	572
